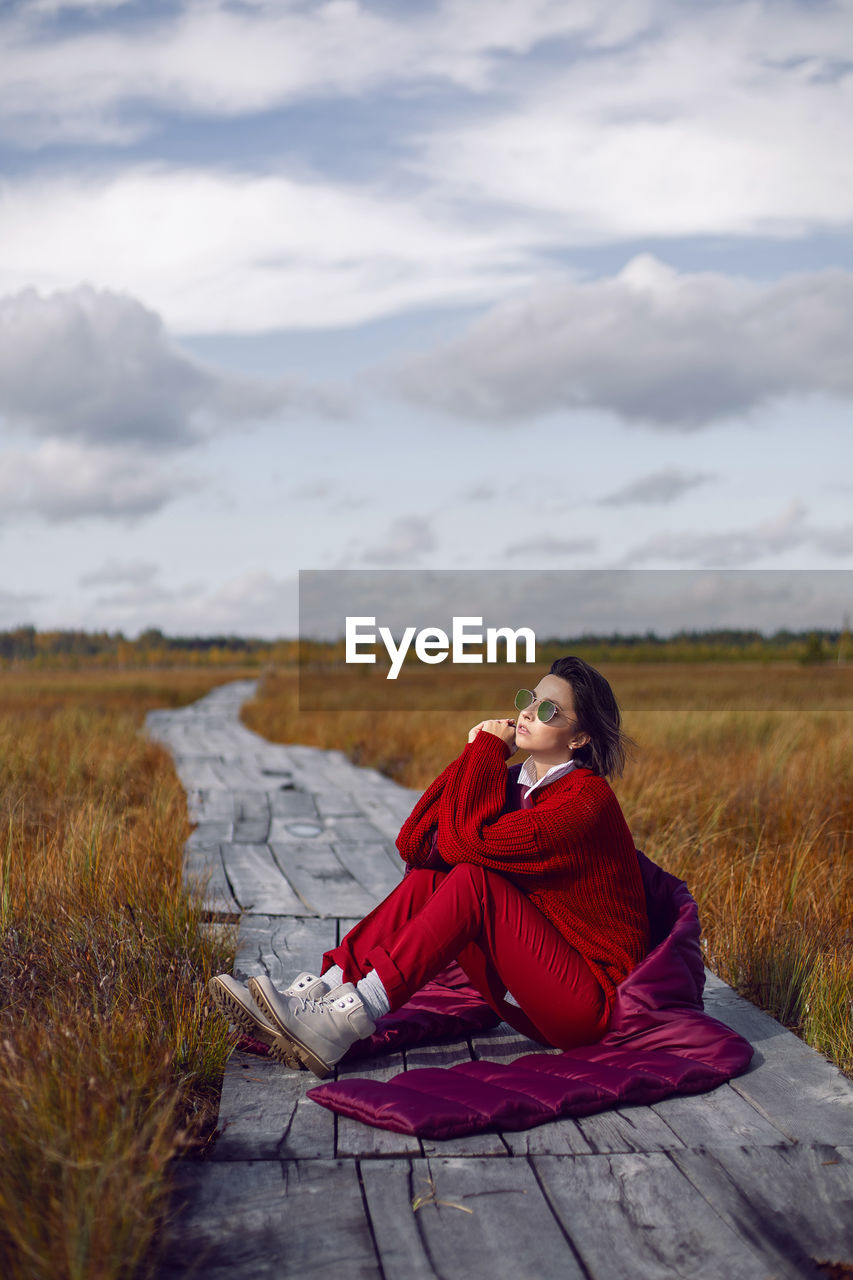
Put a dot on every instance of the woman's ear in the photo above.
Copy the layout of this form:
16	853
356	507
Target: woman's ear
579	740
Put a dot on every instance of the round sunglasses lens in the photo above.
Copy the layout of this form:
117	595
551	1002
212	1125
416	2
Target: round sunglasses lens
547	710
523	699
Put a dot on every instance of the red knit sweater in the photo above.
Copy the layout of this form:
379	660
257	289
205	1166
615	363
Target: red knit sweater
571	853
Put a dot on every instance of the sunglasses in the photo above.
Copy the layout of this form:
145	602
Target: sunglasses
544	712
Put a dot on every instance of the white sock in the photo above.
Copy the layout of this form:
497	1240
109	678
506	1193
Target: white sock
374	997
333	977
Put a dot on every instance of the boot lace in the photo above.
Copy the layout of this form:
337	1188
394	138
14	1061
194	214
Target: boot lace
323	1004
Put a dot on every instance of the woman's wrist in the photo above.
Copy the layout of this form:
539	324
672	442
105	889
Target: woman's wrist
486	743
503	730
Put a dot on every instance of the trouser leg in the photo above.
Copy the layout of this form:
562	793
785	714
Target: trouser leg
500	939
404	901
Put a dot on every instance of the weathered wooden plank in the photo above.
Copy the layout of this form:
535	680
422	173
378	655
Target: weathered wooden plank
251	817
238	774
369	866
318	771
299	830
335	804
628	1129
358	1139
721	1117
261	1220
345	923
794	1203
258	883
255	832
203	868
794	1087
292	804
251	831
509	1230
396	797
282	946
338	771
474	1144
195	772
504	1044
322	883
636	1217
355	830
214	804
211	831
265	1115
387	817
554	1138
389	1194
272	764
304	764
438	1055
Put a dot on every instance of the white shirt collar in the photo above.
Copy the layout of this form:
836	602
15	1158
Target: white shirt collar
527	775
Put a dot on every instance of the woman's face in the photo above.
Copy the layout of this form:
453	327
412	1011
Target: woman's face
552	742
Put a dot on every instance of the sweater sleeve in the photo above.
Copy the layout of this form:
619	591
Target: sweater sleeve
415	840
472	827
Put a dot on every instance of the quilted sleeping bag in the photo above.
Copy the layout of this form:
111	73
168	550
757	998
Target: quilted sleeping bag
659	1042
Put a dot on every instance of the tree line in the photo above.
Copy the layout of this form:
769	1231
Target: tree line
74	647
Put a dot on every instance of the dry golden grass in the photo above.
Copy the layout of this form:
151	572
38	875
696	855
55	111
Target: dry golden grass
109	1062
741	785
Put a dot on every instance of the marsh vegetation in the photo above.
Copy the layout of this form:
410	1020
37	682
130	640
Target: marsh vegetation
110	1061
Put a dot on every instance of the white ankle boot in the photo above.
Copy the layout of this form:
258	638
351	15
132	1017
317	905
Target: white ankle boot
236	1002
319	1030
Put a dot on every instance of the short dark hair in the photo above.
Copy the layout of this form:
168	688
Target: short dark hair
597	713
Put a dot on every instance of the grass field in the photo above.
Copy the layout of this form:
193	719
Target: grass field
740	784
109	1062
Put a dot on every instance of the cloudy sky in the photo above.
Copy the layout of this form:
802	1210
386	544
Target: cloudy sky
460	284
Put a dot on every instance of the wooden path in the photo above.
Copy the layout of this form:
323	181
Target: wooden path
753	1181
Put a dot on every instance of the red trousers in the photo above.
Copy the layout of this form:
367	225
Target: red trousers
500	939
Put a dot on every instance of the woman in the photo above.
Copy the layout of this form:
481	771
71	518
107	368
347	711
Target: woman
528	877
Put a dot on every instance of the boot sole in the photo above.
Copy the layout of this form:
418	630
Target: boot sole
306	1055
237	1012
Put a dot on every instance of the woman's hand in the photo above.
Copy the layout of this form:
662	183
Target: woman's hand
503	729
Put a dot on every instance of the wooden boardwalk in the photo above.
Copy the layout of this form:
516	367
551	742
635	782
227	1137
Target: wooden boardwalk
753	1181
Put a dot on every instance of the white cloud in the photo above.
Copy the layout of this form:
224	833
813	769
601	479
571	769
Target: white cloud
97	366
16	607
53	7
834	542
112	573
536	548
64	480
722	119
656	489
786	532
479	493
407	538
648	120
109	397
252	603
222	60
649	345
218	252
